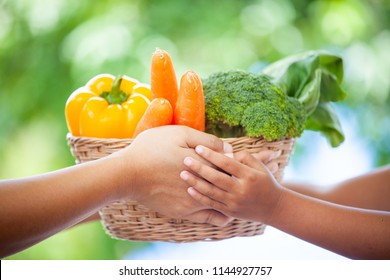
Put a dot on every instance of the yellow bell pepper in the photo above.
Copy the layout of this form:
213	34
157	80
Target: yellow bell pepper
107	107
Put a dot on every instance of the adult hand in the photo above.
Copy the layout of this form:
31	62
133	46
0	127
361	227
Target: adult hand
154	162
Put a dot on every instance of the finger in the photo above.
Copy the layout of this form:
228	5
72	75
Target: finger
204	187
196	137
264	156
225	163
249	160
209	216
208	173
205	200
268	158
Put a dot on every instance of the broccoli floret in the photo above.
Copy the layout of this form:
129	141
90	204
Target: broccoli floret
240	103
265	119
228	93
297	113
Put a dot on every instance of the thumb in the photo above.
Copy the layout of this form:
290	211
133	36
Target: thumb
266	156
209	216
196	137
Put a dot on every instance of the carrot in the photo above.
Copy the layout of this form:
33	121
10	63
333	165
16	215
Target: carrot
163	80
158	113
190	108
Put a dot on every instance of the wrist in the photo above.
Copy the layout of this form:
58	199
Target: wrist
123	174
277	205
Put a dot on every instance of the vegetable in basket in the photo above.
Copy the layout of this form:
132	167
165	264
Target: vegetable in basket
163	77
187	99
287	97
158	113
190	108
107	107
240	103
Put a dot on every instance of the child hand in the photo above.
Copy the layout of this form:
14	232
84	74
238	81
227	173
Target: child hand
243	187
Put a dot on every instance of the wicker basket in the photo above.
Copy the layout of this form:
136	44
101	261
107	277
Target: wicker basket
130	220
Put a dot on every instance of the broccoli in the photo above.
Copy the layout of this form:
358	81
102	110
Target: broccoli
240	103
298	116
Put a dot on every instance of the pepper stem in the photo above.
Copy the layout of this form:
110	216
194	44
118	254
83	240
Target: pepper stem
115	95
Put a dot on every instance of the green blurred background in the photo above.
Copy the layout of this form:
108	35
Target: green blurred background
48	48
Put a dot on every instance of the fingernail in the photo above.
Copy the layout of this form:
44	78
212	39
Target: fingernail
227	148
199	149
191	191
184	175
188	161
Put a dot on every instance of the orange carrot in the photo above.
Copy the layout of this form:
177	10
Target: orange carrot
190	108
163	80
158	113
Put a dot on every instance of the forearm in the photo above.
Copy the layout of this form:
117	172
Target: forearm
94	217
352	232
35	208
369	191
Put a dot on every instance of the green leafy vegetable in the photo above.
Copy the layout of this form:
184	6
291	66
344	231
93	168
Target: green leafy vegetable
314	78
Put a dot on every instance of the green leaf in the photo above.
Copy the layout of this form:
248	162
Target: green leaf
324	119
310	94
332	64
293	72
330	88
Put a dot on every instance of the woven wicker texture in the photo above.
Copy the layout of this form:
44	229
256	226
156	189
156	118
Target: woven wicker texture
130	220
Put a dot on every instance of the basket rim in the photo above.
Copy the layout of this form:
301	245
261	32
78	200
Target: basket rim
69	135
